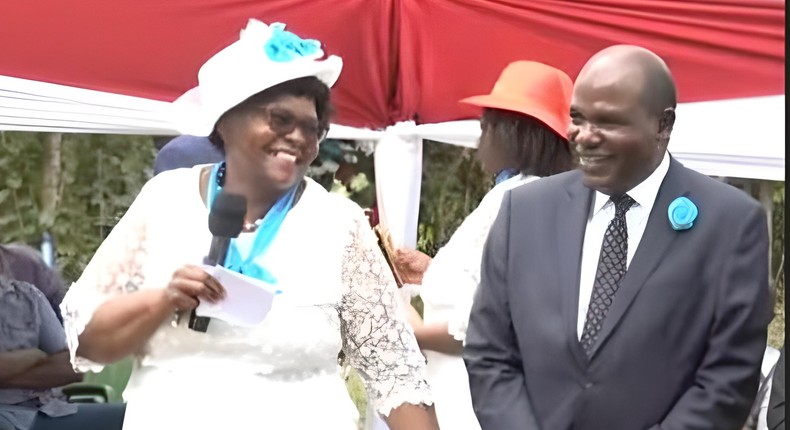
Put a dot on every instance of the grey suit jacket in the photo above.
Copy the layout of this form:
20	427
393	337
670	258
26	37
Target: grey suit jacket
683	341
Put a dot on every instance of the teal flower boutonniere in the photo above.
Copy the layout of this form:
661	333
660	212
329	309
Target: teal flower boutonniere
682	212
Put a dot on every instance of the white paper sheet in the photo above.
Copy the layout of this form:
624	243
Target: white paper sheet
247	302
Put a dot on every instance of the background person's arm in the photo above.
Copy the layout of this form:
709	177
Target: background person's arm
433	336
53	371
408	416
411	264
14	363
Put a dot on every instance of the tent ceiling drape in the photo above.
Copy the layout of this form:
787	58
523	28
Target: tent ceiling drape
716	49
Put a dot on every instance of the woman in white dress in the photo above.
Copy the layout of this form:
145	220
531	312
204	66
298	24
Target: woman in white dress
264	100
523	124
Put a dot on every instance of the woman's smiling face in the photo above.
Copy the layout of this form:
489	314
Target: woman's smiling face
272	143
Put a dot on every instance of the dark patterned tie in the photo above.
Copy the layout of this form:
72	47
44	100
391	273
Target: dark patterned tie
611	268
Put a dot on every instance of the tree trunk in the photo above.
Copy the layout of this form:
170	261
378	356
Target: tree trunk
49	195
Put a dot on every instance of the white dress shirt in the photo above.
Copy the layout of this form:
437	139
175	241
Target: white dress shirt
601	214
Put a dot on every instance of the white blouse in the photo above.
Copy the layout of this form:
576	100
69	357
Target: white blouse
337	293
449	283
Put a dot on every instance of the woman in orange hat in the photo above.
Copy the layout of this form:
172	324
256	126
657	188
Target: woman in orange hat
523	124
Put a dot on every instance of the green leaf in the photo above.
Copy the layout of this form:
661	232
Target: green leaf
94	188
14	182
46	219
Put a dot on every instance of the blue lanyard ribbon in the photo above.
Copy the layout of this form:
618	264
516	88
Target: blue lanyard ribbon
267	230
504	175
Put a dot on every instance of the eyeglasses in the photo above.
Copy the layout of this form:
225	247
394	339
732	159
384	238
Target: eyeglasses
284	122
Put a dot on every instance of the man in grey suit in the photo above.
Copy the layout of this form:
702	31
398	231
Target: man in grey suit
631	293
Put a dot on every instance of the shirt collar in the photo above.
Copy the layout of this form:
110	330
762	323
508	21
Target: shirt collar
644	193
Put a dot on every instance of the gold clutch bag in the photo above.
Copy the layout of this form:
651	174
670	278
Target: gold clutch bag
385	243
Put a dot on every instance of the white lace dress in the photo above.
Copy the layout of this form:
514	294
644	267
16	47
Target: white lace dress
283	374
447	290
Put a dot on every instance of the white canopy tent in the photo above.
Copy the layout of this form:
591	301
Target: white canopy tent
741	138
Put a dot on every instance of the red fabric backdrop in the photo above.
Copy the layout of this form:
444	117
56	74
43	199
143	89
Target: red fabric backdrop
404	59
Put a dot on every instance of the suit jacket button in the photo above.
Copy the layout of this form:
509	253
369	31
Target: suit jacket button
588	385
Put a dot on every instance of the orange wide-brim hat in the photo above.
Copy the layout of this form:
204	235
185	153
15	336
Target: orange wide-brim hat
533	89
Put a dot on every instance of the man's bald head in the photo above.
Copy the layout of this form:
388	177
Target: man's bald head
622	114
634	65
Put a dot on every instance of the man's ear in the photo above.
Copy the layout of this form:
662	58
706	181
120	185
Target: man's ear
665	123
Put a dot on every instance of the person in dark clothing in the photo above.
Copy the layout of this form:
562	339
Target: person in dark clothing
34	366
186	151
775	417
23	263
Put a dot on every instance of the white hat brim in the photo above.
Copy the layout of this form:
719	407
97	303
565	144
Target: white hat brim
192	115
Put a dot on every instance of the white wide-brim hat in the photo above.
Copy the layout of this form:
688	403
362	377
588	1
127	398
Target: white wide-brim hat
264	56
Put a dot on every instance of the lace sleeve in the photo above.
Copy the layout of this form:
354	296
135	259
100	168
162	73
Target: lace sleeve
377	341
115	269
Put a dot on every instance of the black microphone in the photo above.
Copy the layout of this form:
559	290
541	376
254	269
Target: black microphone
225	221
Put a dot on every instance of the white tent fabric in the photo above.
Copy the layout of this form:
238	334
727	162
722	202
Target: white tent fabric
737	137
27	105
741	138
728	138
398	170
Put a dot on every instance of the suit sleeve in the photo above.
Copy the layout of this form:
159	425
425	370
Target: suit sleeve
728	377
491	353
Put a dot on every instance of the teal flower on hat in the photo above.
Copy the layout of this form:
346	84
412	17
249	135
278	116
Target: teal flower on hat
284	46
682	212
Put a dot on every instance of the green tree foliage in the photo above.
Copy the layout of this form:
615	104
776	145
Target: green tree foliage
776	331
99	177
453	183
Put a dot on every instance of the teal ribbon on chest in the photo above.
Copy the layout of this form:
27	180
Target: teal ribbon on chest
267	230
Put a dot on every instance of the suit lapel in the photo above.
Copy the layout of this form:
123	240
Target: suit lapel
571	224
655	242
